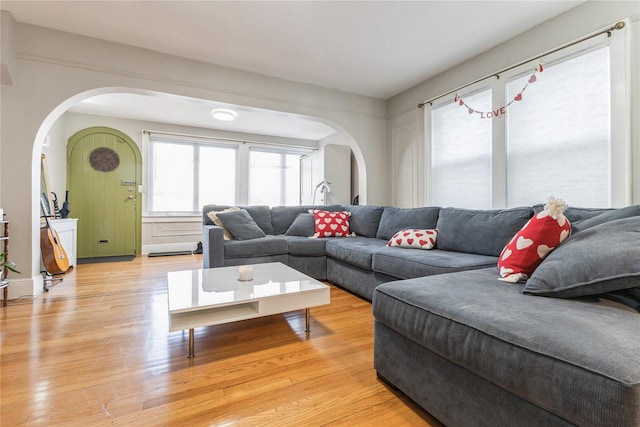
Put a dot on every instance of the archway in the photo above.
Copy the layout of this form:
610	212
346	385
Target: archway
341	137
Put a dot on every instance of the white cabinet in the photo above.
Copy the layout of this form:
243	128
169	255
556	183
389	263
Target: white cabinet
332	165
311	174
67	229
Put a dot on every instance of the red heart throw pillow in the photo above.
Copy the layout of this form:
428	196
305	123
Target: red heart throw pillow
535	240
414	238
331	224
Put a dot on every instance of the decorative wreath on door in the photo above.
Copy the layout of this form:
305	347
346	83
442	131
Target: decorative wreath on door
104	159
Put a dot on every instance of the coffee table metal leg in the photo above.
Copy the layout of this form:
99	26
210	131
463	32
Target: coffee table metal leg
307	320
191	344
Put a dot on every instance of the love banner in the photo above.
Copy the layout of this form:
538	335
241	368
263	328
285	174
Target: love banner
500	112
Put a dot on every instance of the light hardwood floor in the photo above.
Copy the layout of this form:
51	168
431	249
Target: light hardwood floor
95	350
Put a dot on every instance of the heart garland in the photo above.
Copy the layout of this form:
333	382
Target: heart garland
502	110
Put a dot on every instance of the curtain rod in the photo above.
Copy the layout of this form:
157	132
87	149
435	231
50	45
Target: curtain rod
618	26
243	141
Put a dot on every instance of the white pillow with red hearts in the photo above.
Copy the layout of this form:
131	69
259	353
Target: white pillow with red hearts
414	238
331	224
535	240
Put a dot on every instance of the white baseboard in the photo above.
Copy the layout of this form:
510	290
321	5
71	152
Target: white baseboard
169	247
24	288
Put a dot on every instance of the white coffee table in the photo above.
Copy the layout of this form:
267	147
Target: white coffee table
214	296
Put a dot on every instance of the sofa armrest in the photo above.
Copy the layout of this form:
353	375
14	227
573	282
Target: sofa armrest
212	246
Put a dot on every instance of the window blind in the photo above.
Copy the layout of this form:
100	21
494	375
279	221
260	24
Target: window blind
461	154
558	141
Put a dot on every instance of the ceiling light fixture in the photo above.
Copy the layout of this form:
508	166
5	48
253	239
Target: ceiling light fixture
224	115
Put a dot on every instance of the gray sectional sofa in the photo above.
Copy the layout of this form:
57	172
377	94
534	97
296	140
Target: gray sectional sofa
468	348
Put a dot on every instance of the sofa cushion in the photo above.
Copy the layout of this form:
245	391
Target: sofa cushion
577	214
484	232
573	213
554	353
262	216
330	208
303	225
364	219
283	216
264	246
406	263
356	251
240	224
395	219
304	246
354	279
608	215
603	258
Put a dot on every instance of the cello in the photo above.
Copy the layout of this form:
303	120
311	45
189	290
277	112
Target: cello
54	256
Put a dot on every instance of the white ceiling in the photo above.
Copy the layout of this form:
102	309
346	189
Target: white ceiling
197	113
373	48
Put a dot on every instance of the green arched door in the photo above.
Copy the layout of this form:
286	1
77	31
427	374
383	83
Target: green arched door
104	169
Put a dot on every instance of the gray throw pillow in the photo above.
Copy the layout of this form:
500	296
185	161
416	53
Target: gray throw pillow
303	225
241	225
261	214
603	258
364	219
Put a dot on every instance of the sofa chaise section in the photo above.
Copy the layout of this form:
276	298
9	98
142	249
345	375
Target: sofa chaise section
457	342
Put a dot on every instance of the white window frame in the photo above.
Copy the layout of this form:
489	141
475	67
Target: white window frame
242	165
468	91
428	109
283	151
194	142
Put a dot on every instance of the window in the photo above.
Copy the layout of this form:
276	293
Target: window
274	177
461	155
558	141
185	175
217	176
568	137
